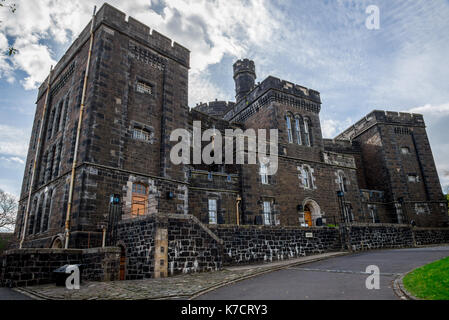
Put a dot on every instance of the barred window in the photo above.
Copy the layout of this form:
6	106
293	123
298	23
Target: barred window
267	213
212	211
143	87
141	134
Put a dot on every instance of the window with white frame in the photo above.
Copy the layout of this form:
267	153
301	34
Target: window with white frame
264	173
143	87
267	213
307	178
342	182
212	211
289	129
298	131
307	132
141	134
413	178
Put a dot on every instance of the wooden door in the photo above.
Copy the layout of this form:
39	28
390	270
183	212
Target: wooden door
308	218
122	265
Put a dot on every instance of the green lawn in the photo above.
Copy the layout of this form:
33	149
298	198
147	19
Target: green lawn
430	282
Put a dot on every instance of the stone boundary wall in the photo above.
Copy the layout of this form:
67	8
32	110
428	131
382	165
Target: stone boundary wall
257	244
186	246
430	236
29	267
192	247
137	237
361	237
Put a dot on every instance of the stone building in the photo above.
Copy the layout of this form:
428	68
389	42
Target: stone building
379	170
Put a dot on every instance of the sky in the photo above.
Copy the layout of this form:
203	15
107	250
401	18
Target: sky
324	45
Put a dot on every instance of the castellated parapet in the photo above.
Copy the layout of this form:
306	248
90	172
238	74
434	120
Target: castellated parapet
382	117
215	108
117	20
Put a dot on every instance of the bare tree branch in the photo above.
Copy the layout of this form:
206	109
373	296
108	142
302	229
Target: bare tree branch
8	211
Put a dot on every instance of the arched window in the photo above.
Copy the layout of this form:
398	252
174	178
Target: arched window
307	178
289	129
298	131
342	182
139	200
307	132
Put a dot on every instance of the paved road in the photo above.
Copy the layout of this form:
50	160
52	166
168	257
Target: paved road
340	278
8	294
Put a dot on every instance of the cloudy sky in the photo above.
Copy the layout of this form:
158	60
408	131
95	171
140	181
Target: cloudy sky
324	45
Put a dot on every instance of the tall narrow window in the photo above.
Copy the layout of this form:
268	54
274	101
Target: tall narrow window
298	131
342	182
307	132
267	213
307	178
289	129
264	173
212	211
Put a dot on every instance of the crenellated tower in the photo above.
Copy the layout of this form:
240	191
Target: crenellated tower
244	77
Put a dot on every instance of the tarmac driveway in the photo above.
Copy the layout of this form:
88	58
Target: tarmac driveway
339	278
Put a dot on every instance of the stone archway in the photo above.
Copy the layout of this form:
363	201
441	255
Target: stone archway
57	243
312	206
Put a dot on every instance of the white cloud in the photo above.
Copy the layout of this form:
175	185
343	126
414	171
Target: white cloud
429	110
13	141
16	160
332	127
210	29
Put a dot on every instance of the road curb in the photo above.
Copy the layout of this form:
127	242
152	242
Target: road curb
227	283
399	288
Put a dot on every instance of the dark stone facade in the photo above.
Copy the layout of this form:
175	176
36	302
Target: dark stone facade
137	94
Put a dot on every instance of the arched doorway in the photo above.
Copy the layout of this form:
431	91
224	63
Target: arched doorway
122	263
312	212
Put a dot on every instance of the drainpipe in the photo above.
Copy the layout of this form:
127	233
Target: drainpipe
239	199
83	98
36	157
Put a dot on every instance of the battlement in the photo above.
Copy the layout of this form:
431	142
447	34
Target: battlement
244	66
215	108
386	117
275	89
117	20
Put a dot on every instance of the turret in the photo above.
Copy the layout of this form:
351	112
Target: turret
244	77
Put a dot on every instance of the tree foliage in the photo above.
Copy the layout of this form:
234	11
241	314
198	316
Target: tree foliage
8	211
12	7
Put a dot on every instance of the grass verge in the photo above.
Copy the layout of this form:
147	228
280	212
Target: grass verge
430	282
